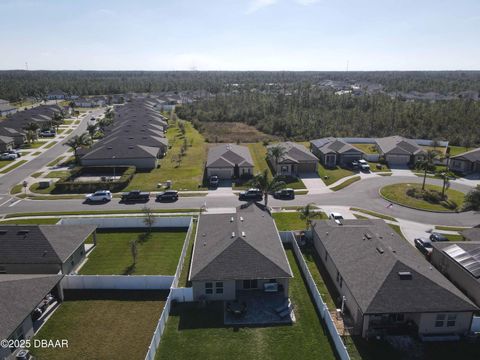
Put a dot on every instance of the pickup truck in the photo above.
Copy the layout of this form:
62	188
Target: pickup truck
251	194
135	195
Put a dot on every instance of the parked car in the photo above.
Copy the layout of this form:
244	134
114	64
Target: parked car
47	133
99	196
437	237
168	195
354	164
424	245
135	195
251	195
8	156
337	217
284	194
16	152
214	180
363	164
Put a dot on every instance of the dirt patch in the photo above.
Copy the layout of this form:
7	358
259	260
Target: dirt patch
218	132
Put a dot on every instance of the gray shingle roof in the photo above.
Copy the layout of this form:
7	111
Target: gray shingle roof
399	146
334	145
472	234
19	296
472	155
40	244
228	155
369	255
255	250
296	153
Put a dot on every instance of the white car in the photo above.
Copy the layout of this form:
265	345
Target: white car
99	196
363	164
337	217
8	156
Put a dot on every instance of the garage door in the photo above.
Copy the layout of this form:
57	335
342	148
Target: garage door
222	173
398	159
347	159
306	167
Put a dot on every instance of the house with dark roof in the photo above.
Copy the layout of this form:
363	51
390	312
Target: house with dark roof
397	150
460	263
466	163
239	252
297	159
471	234
333	151
386	286
20	295
19	138
42	249
228	161
6	143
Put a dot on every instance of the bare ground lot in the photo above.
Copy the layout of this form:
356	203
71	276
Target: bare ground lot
233	132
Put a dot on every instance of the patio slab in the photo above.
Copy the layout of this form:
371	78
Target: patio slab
260	309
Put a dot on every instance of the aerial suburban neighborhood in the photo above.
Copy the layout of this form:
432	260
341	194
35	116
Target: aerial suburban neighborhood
239	180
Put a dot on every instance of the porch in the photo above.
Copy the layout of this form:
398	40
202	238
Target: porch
256	307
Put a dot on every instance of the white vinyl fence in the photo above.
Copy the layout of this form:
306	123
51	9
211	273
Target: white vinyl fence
117	282
184	252
157	334
421	142
319	303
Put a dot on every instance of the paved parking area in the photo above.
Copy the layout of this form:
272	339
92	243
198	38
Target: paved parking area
314	184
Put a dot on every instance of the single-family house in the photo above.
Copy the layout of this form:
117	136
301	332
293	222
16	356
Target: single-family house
460	263
7	109
19	138
466	163
229	161
400	151
471	234
297	159
239	252
56	95
386	285
6	143
333	151
42	249
20	296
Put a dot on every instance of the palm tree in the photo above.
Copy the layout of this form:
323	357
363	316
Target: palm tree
276	153
104	123
266	185
77	142
427	163
308	214
32	128
91	128
472	199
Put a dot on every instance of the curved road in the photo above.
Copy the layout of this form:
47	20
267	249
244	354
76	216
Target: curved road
363	194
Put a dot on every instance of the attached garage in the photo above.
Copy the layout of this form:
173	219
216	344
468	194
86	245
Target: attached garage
222	173
347	159
307	167
397	159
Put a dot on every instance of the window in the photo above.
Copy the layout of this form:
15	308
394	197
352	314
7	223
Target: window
250	284
219	287
208	288
440	320
451	320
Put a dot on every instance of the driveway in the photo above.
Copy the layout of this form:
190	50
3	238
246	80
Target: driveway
224	189
314	184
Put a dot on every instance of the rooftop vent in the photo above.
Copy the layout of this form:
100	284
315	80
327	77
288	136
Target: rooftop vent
233	234
44	253
231	219
241	218
243	234
130	147
109	148
405	275
368	236
380	250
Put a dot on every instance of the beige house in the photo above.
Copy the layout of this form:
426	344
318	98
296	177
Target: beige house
229	161
238	252
399	151
386	286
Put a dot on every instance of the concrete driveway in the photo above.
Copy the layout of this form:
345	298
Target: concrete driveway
314	184
224	189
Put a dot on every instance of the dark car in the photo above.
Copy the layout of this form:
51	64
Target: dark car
135	195
424	245
168	195
438	237
251	195
214	181
284	194
47	133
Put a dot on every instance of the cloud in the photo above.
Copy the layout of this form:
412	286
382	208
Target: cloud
256	5
306	2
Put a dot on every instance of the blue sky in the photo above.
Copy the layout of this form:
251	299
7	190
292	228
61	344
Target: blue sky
240	34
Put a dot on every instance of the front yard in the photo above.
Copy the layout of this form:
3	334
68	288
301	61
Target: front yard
158	253
186	174
105	325
329	176
195	332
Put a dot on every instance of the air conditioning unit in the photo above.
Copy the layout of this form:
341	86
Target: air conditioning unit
23	354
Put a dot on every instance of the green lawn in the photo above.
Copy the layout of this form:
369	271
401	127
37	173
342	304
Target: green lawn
48	146
4	163
186	175
36	153
373	213
374	169
14	166
193	332
58	174
68	122
259	154
37	174
158	253
34	145
346	183
40	221
450	228
56	161
329	176
183	280
17	189
69	131
454	237
103	328
397	193
367	148
457	150
286	221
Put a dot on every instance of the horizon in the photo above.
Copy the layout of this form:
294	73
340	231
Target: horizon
234	35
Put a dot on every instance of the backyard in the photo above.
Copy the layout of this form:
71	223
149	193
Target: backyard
103	325
194	332
158	253
329	176
186	174
286	221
